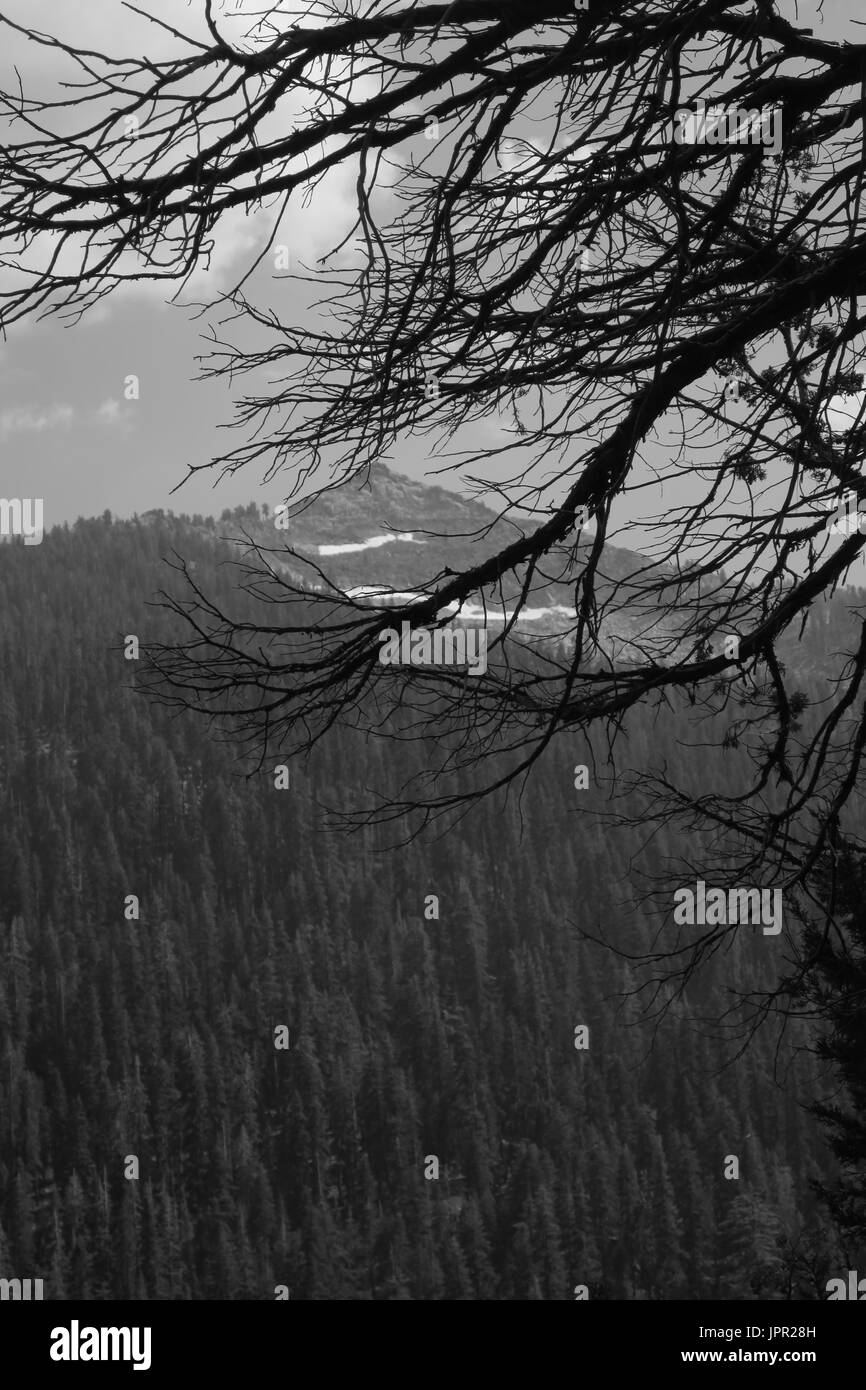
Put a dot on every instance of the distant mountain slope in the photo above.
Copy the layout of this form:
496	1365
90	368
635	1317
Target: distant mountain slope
412	1034
384	541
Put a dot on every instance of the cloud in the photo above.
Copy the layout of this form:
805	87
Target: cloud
239	236
108	413
313	226
519	156
844	412
27	420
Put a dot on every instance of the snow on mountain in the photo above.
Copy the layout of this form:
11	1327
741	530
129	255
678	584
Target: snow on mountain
373	543
393	541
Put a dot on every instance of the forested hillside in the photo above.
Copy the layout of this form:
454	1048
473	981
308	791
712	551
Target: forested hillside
410	1036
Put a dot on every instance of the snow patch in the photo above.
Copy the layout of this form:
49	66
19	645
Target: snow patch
475	613
390	597
470	612
351	547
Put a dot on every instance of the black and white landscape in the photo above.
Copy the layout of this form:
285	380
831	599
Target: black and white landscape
446	1032
431	820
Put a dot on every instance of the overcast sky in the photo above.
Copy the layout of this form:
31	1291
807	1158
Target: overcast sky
66	433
